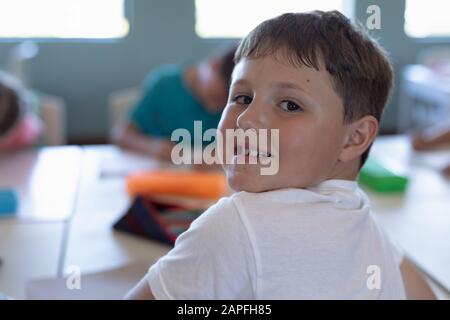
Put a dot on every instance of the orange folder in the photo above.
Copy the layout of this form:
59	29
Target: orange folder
207	185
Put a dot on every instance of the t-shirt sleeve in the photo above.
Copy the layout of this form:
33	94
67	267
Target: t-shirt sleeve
213	259
146	113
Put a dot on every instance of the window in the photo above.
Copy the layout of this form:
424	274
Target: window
427	18
63	19
235	18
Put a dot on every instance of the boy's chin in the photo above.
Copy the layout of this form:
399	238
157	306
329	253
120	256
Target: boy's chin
247	184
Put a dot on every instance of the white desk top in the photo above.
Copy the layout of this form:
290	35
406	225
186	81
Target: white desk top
93	245
28	251
418	220
31	241
46	182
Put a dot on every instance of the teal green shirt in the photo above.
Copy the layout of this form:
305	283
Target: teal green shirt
167	104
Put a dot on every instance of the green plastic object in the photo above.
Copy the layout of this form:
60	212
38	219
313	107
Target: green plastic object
379	178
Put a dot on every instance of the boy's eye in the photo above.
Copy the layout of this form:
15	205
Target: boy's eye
242	99
290	106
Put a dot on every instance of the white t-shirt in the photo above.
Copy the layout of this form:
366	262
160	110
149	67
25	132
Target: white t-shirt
317	243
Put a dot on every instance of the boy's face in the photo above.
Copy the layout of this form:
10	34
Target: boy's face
211	87
302	104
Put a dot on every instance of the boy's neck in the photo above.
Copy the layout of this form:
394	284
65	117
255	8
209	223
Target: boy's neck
345	171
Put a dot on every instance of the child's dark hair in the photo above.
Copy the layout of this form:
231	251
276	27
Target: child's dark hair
10	104
360	69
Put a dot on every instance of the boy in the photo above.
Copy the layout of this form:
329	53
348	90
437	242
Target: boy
174	98
305	232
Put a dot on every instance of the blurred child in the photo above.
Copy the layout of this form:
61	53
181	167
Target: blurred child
19	127
433	137
174	97
306	232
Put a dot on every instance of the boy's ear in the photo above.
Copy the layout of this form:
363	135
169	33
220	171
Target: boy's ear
360	136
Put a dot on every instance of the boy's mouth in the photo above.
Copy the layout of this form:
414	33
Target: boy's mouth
247	151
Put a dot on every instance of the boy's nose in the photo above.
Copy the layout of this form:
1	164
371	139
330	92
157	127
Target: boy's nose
254	117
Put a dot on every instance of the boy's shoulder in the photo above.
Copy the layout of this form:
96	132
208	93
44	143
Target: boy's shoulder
341	196
250	205
285	195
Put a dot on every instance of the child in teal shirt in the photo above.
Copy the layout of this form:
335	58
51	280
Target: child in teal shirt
174	97
169	104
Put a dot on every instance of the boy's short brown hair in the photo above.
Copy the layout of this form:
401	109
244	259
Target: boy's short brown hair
360	69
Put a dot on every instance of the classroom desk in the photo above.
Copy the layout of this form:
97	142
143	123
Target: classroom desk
28	251
92	243
419	221
31	241
46	182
